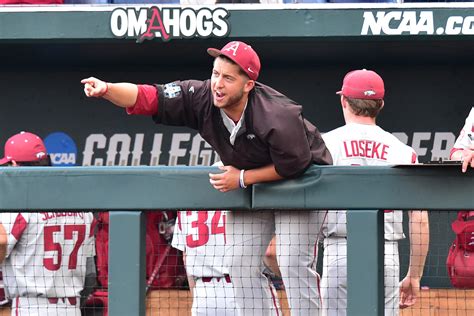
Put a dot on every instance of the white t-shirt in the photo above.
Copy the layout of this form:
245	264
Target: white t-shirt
202	236
366	145
464	141
47	253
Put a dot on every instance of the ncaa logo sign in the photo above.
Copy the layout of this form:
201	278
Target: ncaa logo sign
61	148
169	23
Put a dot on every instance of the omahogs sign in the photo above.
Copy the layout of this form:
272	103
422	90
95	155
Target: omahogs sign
169	23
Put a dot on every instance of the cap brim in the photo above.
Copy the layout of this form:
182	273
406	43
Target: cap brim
214	52
4	161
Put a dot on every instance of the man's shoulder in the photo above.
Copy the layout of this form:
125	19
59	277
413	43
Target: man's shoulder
190	86
332	134
267	96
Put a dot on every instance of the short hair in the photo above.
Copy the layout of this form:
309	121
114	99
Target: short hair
363	107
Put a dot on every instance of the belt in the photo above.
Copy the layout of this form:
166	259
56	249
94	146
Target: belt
226	277
55	300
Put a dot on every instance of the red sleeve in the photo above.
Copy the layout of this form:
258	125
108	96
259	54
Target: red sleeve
147	101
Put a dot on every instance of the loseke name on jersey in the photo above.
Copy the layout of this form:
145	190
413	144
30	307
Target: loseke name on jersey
169	23
366	148
414	23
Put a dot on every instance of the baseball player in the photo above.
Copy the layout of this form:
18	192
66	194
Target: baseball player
260	136
43	254
201	235
464	146
362	143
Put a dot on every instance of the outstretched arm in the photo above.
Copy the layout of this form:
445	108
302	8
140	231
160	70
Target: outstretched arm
122	94
419	243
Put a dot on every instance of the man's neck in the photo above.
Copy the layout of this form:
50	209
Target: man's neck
235	112
365	120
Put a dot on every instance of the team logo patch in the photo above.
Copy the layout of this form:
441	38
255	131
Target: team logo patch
369	93
172	90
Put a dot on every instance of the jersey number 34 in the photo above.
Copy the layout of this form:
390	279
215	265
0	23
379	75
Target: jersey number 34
217	226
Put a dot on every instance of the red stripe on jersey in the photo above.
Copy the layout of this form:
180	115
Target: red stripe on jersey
93	226
179	220
318	279
19	226
413	157
274	299
17	305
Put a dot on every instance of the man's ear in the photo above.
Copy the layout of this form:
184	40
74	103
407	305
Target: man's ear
249	86
343	102
14	163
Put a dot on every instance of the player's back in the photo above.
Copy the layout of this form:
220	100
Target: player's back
201	235
47	253
366	145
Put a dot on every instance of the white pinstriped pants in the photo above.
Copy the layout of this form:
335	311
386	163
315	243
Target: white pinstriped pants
334	279
248	236
40	306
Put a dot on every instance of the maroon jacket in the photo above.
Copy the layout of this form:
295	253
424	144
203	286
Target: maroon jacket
274	130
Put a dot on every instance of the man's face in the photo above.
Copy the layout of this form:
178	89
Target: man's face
228	84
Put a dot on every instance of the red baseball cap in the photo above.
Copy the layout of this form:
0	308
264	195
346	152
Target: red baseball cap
363	84
24	147
242	54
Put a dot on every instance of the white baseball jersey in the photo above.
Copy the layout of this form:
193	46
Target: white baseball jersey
47	253
202	236
366	145
466	136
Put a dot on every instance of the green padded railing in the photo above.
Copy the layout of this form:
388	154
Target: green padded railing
126	190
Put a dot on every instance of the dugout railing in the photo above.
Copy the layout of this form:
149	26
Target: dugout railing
127	190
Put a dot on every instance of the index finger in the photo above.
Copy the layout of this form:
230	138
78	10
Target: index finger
464	165
87	80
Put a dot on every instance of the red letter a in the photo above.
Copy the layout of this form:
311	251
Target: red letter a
152	28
